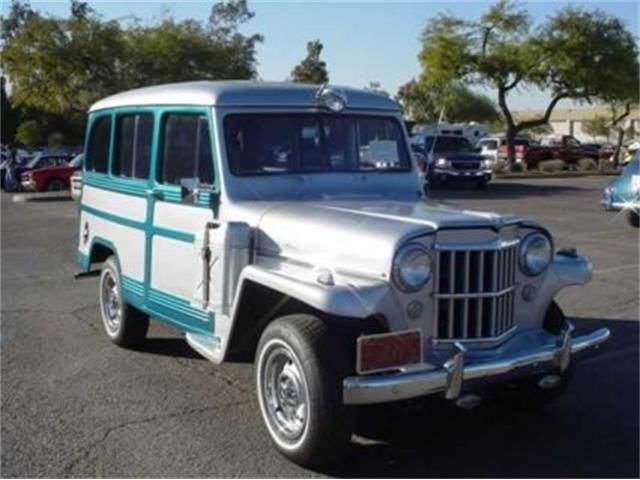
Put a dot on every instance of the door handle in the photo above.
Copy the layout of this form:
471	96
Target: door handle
155	193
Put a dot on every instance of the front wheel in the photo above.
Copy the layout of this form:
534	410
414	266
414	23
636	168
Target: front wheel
55	185
299	371
633	218
124	324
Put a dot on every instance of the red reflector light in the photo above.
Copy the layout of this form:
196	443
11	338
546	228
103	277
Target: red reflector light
388	350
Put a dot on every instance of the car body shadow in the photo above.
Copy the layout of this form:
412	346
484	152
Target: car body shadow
592	431
168	347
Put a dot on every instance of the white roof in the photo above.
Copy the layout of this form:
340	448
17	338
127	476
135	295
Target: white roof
240	94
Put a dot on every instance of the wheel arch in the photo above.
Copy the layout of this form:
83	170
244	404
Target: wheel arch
248	322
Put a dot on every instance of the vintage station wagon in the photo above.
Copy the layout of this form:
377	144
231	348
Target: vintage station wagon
286	223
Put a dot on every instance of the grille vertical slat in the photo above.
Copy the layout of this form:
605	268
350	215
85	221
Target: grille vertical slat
474	292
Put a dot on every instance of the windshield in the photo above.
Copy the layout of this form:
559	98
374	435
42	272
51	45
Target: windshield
303	143
77	160
32	163
449	144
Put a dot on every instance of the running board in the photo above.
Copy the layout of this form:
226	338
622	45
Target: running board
207	346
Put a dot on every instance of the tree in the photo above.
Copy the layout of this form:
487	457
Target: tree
312	69
62	65
575	54
30	133
596	127
540	130
10	115
425	102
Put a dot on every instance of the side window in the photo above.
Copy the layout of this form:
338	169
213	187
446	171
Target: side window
133	145
186	149
98	147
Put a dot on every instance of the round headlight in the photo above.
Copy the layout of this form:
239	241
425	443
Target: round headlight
536	253
442	162
412	268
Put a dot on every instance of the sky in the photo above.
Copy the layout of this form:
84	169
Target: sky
363	41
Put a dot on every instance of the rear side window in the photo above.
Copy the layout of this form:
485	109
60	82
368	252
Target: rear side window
98	147
186	149
133	145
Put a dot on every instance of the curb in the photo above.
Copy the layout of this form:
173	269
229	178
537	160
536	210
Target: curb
525	176
37	197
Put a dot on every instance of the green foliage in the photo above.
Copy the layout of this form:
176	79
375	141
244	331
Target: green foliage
596	127
55	139
577	54
587	165
312	69
63	65
423	101
30	133
551	166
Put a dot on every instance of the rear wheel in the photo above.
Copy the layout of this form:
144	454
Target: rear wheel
55	185
124	324
299	371
633	218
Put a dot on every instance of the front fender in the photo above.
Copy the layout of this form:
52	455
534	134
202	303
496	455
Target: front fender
566	269
344	299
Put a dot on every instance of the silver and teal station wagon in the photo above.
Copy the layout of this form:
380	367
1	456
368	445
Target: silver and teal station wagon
623	194
286	223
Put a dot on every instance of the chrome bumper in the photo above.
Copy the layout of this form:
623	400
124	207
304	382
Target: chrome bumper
28	185
453	373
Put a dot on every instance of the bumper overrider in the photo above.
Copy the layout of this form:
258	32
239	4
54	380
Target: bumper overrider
526	354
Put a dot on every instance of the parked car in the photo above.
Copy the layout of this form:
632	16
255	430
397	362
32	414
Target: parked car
565	148
489	148
451	158
623	194
285	223
76	184
41	160
51	179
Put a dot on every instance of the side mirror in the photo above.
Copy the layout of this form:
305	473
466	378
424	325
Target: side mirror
478	150
189	190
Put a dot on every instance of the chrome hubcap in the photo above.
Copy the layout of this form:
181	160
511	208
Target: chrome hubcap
284	393
110	303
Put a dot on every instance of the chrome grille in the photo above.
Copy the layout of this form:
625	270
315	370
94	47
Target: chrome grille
474	291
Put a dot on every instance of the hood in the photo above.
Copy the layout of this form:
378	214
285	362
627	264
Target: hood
359	236
459	156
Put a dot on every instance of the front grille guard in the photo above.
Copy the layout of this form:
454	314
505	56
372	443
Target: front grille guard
474	291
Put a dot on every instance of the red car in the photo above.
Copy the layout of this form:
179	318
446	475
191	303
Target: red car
51	179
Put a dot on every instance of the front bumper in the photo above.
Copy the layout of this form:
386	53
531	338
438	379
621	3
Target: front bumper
462	174
29	185
530	351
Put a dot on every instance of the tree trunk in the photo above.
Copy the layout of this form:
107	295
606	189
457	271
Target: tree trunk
511	146
616	153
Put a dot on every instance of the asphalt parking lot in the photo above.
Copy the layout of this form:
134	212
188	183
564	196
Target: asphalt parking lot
75	405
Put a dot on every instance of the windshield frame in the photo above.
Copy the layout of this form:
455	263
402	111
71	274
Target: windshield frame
404	145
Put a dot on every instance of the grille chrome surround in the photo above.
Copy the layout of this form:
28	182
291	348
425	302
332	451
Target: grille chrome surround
474	291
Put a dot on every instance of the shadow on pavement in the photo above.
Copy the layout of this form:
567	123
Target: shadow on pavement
169	347
592	431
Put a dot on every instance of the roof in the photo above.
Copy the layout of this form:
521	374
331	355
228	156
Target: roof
240	94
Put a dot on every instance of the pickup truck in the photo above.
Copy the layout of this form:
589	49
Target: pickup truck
566	148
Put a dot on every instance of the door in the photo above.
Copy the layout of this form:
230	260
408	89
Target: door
176	230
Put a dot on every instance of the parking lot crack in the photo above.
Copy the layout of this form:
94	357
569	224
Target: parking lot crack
86	452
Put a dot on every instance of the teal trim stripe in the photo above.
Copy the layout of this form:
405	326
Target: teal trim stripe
133	291
119	186
178	304
127	222
82	261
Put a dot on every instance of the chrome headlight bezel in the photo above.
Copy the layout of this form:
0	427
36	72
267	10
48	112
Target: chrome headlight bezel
531	241
403	260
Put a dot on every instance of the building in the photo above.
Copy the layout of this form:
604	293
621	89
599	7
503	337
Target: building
570	121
